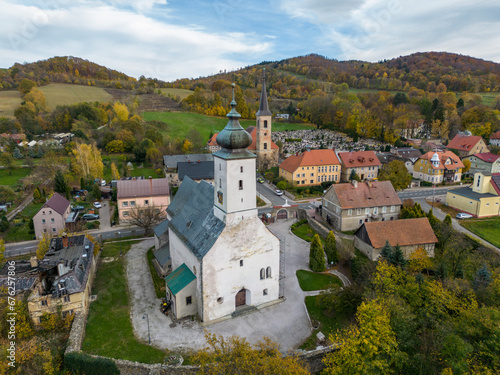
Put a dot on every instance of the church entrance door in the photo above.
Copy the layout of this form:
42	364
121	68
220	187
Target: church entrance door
282	214
241	298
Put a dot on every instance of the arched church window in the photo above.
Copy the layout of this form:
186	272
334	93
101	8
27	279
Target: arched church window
265	123
268	272
262	273
241	185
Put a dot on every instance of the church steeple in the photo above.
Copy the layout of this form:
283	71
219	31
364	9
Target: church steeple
264	107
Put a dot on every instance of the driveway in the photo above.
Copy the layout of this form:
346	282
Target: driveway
104	215
286	323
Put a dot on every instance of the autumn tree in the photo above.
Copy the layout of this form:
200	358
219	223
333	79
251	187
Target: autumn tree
467	165
115	147
316	255
146	217
419	260
87	162
114	172
396	173
26	85
187	146
43	246
121	111
2	250
331	249
234	355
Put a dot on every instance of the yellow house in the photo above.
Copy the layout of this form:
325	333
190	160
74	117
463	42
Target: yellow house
482	199
311	168
436	167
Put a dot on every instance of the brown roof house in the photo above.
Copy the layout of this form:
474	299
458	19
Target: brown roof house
52	217
495	139
466	144
134	194
364	163
347	206
311	168
409	234
65	277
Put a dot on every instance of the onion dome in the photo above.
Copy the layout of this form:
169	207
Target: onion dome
233	136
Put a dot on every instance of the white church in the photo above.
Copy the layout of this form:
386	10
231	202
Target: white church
224	259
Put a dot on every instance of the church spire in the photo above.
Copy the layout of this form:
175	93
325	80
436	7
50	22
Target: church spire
263	108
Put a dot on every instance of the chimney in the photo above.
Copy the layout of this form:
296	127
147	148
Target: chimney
65	241
33	262
355	184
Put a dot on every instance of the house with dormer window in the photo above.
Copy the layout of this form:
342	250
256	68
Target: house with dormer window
438	166
364	163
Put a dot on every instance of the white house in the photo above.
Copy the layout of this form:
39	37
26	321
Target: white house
224	259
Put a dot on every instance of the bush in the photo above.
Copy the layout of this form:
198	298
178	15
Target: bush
299	223
78	363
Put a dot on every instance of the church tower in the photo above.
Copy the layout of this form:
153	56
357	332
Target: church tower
263	126
234	172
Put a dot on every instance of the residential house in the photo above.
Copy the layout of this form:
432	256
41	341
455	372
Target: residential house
18	138
65	277
495	139
466	145
52	217
364	163
408	234
135	194
25	276
197	171
409	155
485	162
171	163
311	168
387	157
347	206
482	199
224	258
437	167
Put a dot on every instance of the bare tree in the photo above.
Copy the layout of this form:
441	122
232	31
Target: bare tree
147	217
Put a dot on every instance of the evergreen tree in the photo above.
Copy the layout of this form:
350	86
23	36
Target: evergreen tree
331	249
316	255
397	257
447	220
482	278
82	183
4	224
17	154
60	183
96	192
354	176
386	252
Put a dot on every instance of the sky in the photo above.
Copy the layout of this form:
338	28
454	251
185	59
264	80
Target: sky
171	39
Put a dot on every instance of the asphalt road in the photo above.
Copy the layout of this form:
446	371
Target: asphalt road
268	192
422	193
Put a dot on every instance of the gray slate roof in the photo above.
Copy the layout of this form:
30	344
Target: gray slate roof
171	161
192	216
150	187
162	255
161	228
469	193
196	170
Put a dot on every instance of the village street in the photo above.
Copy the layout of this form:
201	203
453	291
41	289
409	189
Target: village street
286	323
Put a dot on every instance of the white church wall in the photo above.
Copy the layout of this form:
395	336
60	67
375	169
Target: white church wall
185	307
223	276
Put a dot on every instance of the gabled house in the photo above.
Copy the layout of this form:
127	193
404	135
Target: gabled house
171	163
466	145
65	277
485	162
436	167
311	168
495	139
197	171
347	206
482	199
136	194
52	217
408	234
409	156
364	163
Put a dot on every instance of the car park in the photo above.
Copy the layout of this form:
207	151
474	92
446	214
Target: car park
90	217
278	192
463	215
97	205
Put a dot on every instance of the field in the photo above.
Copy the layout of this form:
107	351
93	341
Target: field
488	229
489	98
66	94
11	178
180	123
9	101
182	93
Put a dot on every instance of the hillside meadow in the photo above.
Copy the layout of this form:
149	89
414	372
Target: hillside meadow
9	101
67	94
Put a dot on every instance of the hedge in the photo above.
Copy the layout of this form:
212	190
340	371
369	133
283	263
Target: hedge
78	363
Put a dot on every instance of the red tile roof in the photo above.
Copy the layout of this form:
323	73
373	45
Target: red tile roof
365	194
250	130
443	157
495	135
149	187
464	142
58	203
211	141
487	157
310	158
406	232
359	159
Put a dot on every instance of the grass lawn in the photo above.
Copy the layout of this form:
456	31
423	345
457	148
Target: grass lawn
306	233
109	330
260	202
180	123
488	229
12	177
182	93
158	282
316	281
67	94
19	229
9	101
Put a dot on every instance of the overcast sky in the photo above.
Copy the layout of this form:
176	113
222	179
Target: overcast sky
170	39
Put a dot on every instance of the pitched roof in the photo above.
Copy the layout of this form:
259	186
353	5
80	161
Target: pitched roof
495	182
400	232
212	141
488	157
310	158
455	161
149	187
357	159
365	194
464	142
161	228
408	153
179	278
58	203
192	216
171	161
196	170
495	135
263	106
467	192
162	255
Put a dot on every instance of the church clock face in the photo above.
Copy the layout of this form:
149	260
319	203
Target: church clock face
220	197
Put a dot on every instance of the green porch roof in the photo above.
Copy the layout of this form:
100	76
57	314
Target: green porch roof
179	279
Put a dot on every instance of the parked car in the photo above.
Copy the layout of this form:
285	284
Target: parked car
97	205
463	215
278	192
77	208
103	183
90	217
260	180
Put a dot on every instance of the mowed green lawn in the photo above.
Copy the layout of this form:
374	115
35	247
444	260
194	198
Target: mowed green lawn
180	123
67	94
12	177
9	101
488	229
182	93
